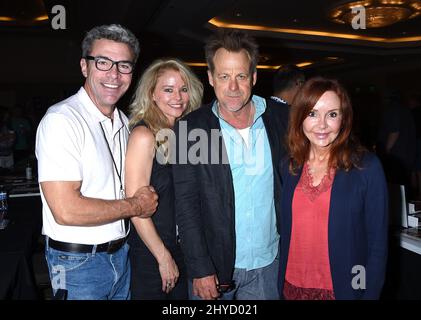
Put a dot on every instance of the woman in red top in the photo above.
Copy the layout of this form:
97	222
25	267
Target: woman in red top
334	204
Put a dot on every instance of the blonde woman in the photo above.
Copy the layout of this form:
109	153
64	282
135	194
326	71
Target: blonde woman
167	90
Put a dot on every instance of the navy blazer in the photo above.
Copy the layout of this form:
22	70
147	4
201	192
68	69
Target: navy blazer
204	192
357	228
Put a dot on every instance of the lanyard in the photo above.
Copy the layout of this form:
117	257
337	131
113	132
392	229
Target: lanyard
119	173
115	165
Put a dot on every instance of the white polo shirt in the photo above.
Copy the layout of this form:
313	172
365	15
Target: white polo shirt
70	146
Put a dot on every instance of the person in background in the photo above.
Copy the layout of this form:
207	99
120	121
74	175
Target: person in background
414	104
287	80
167	91
81	146
7	140
396	143
334	202
22	127
227	199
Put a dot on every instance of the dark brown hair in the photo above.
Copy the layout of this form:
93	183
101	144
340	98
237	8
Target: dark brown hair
346	151
233	41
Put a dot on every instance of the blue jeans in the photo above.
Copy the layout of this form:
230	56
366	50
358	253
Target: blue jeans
257	284
90	276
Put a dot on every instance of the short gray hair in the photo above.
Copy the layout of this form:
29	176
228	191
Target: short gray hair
113	32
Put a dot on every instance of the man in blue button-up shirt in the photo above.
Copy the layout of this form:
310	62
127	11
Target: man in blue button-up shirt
227	185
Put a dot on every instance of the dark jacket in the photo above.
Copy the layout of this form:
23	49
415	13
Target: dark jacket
357	230
204	193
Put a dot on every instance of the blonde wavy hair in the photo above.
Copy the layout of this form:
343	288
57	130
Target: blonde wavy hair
143	107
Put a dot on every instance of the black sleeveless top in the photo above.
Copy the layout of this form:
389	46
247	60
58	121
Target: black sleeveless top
164	216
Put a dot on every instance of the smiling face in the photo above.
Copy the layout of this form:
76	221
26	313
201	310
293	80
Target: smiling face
231	79
323	123
171	94
105	88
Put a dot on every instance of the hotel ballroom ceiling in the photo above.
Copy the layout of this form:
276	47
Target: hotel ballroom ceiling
288	31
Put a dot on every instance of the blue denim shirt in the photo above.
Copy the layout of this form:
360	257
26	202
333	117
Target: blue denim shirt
252	173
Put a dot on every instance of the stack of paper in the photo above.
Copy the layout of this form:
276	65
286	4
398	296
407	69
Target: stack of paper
414	214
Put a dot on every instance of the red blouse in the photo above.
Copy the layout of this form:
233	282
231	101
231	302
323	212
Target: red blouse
308	273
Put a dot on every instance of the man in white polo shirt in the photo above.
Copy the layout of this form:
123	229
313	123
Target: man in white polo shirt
80	146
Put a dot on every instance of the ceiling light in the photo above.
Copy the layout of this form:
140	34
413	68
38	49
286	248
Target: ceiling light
304	64
5	18
41	18
314	33
259	66
23	12
378	13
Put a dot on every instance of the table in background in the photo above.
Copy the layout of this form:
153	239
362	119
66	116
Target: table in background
17	244
403	277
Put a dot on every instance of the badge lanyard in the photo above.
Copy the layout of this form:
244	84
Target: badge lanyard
119	173
122	195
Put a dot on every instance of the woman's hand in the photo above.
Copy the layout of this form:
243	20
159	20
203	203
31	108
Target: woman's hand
169	271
